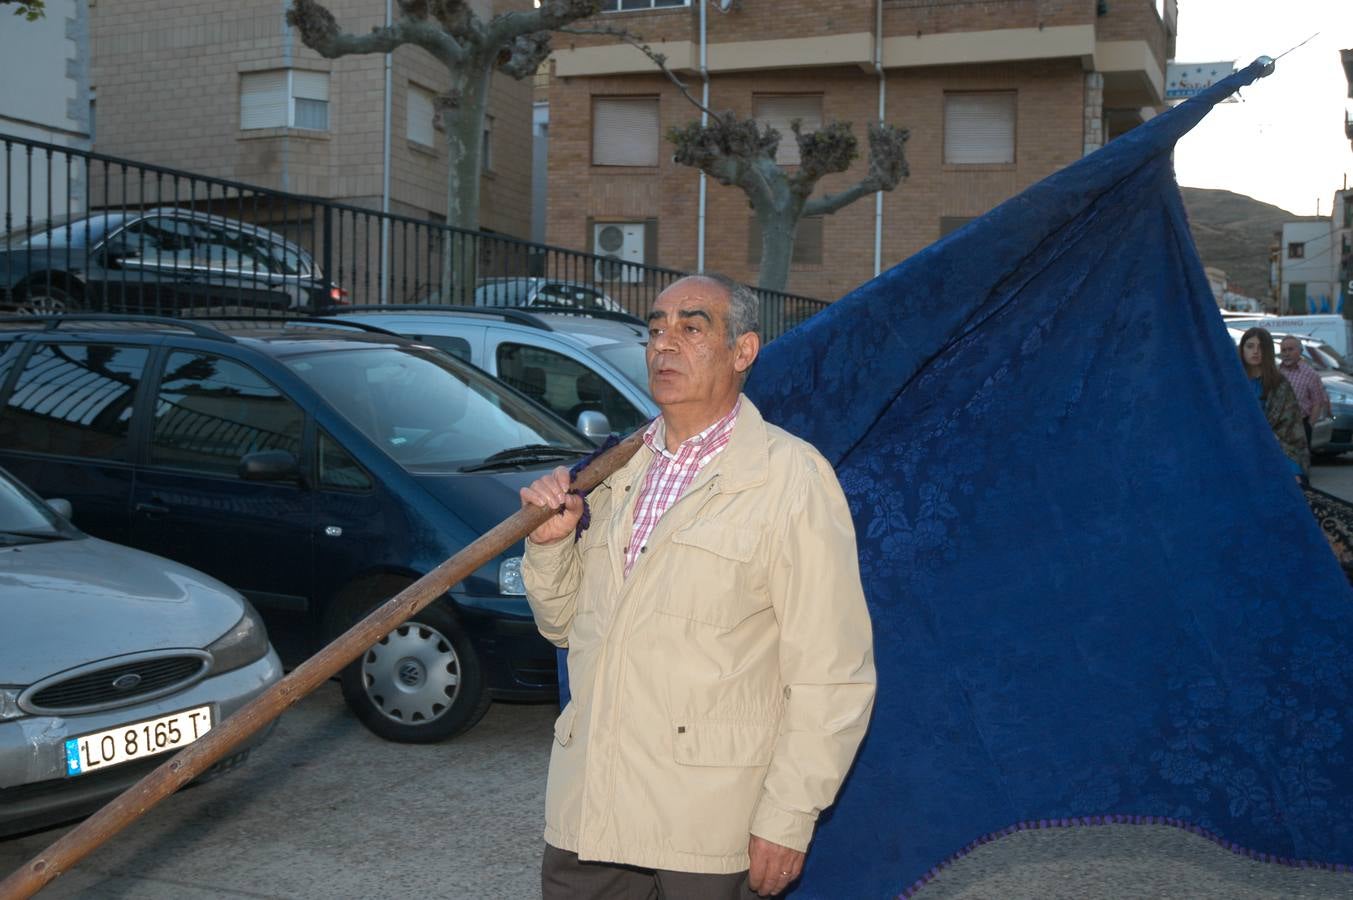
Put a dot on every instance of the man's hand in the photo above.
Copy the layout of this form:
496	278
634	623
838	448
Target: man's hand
552	492
773	867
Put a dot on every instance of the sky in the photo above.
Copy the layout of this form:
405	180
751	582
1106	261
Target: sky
1284	143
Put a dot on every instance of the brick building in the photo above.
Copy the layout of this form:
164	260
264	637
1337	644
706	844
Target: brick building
229	90
997	94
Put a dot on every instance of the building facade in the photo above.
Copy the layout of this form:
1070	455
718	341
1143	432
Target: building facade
44	66
1308	268
996	96
229	90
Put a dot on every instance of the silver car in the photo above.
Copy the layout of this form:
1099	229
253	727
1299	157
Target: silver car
109	659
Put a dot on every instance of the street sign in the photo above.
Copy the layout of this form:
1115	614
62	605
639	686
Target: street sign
1183	80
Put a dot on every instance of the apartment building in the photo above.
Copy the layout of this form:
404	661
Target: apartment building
229	90
996	95
44	67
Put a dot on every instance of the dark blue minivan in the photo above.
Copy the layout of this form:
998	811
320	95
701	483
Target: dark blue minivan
316	468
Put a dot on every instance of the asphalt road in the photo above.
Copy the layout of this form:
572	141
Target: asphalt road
326	810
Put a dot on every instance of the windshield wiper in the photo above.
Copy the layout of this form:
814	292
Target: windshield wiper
35	535
528	453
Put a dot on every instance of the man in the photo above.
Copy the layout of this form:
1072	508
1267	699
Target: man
720	652
1305	381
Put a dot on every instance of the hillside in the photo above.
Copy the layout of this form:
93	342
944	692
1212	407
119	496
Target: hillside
1233	232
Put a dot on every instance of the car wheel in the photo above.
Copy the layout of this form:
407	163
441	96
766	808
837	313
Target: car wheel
46	300
420	683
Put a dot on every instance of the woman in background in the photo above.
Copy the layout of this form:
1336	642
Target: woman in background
1278	399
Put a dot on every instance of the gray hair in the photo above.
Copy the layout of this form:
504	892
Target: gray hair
743	305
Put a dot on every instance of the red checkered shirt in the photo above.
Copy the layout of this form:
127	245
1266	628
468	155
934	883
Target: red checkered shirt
1309	388
670	474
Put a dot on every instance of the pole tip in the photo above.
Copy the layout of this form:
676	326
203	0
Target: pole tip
1267	63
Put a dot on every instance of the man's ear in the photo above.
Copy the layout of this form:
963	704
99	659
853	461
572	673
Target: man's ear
745	349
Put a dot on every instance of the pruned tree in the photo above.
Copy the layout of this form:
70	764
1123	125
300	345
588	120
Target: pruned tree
471	49
741	152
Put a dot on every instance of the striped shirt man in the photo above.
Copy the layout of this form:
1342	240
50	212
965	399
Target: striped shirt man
671	473
1310	390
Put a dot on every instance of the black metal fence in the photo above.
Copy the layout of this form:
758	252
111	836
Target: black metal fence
86	231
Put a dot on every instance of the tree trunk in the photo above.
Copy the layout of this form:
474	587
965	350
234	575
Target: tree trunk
464	123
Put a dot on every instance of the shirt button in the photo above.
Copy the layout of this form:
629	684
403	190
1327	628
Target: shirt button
643	549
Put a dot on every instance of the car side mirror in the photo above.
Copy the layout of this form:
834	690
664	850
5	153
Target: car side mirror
269	465
116	250
61	507
594	425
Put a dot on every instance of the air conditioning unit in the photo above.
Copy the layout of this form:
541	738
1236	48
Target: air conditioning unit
618	244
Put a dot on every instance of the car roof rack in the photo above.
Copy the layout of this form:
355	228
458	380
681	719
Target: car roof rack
304	320
54	322
610	315
510	313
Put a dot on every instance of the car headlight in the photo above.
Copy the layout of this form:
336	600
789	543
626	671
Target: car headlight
9	703
509	577
1340	397
245	642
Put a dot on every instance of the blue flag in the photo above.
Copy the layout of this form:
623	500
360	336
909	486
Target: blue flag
1096	587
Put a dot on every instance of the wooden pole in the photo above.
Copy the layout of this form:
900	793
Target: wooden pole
197	757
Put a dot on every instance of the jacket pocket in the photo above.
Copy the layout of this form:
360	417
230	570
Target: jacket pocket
724	743
563	726
723	586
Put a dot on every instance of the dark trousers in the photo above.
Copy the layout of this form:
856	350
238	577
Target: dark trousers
564	877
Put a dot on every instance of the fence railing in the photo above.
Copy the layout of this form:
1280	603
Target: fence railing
87	231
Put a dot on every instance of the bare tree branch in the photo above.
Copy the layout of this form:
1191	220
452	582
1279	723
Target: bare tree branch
319	30
646	49
551	15
887	168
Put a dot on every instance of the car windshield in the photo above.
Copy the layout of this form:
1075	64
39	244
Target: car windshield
430	412
22	516
628	357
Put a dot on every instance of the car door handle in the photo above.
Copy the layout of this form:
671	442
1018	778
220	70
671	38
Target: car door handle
152	510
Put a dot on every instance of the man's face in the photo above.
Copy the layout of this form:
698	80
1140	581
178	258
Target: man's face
690	363
1291	351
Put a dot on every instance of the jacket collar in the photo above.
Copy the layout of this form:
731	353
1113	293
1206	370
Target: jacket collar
743	463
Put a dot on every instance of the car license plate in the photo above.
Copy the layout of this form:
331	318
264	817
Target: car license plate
135	740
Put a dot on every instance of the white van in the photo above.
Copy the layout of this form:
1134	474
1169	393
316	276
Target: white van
1331	329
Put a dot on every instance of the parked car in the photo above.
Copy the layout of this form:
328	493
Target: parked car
572	363
109	658
160	260
543	293
317	468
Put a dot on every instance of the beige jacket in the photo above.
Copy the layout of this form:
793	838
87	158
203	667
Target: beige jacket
723	688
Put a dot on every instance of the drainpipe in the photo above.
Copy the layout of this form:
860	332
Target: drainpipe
385	174
704	120
883	93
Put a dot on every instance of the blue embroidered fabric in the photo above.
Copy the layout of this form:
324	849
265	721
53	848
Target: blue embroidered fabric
1096	588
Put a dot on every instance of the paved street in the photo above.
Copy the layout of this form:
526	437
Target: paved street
326	810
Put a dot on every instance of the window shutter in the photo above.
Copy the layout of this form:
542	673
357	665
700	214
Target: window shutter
419	115
263	100
625	131
979	128
779	111
310	85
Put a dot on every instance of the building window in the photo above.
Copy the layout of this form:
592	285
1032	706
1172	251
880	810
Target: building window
807	242
625	131
486	149
779	110
1296	250
979	128
419	113
627	5
1296	300
284	98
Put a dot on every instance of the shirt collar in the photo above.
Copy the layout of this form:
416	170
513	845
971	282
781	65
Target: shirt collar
655	437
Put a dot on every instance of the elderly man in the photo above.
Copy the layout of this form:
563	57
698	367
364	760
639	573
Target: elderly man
1305	381
720	652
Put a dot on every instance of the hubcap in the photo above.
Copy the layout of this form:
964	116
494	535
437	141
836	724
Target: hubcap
412	675
42	304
